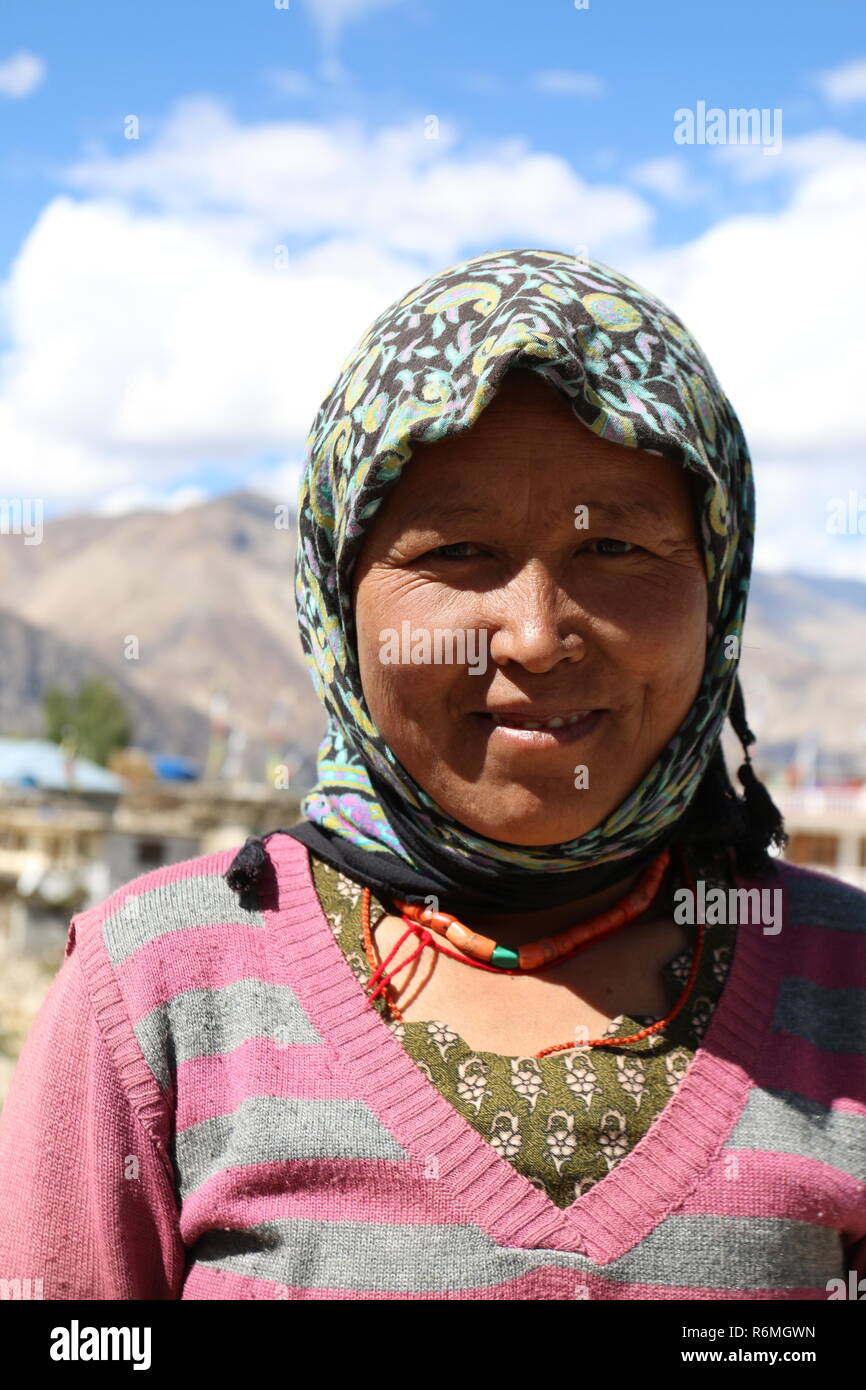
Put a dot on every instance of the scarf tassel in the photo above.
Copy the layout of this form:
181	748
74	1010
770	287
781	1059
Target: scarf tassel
761	811
244	874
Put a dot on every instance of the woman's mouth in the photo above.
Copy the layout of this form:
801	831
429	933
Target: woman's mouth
541	730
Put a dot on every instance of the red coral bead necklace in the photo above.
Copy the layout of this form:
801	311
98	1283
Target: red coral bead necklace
430	928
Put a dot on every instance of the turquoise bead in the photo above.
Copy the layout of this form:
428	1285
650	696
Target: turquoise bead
505	958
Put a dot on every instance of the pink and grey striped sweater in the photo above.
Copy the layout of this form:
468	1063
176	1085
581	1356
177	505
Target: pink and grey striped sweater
208	1107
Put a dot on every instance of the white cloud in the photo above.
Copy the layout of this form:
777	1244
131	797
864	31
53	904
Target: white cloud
777	301
21	74
802	154
289	82
846	83
566	82
280	483
331	17
152	324
143	344
549	82
405	193
144	499
143	340
151	329
668	177
794	507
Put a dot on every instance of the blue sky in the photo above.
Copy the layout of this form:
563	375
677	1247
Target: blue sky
152	350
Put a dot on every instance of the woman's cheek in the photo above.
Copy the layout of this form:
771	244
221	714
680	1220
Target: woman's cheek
667	629
407	696
401	694
393	600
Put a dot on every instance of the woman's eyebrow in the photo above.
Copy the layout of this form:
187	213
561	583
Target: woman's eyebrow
626	510
617	510
443	511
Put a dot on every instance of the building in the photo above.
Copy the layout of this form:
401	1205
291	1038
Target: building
72	832
827	829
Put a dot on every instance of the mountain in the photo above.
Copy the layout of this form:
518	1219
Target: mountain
34	659
207	595
177	606
803	667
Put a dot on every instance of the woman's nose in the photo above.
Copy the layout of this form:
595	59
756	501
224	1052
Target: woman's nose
537	625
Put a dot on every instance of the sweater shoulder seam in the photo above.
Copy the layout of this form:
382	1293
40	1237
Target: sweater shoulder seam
149	1104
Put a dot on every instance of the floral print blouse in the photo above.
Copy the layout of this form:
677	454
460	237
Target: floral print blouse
563	1120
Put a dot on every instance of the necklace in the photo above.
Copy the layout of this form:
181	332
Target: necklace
548	950
537	955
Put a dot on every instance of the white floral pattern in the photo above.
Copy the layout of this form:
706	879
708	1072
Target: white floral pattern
632	1077
566	1119
359	964
422	1066
676	1065
681	965
721	959
472	1082
581	1077
349	890
560	1137
580	1187
612	1136
526	1079
703	1008
505	1135
442	1037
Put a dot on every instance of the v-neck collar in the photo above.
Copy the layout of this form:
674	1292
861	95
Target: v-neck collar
643	1187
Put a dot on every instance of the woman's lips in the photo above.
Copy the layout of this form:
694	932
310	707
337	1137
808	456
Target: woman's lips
553	730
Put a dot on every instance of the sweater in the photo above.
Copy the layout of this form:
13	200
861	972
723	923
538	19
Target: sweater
565	1119
208	1106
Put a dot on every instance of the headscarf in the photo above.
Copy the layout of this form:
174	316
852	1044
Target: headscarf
425	369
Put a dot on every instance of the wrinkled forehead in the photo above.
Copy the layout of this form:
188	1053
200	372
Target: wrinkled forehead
530	464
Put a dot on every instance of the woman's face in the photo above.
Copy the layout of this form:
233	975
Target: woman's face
599	614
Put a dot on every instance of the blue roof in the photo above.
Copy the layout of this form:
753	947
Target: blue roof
36	762
174	769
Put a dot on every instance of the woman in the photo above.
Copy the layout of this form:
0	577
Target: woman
523	1008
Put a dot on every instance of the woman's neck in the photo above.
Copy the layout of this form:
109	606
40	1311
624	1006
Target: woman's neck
514	929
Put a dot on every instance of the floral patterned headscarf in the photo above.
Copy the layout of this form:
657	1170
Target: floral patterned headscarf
425	369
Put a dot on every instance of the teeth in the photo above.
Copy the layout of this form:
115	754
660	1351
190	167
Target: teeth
557	721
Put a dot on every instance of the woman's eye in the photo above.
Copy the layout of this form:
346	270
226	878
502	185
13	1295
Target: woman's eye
609	540
447	551
467	550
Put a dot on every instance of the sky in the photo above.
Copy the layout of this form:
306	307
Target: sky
206	204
